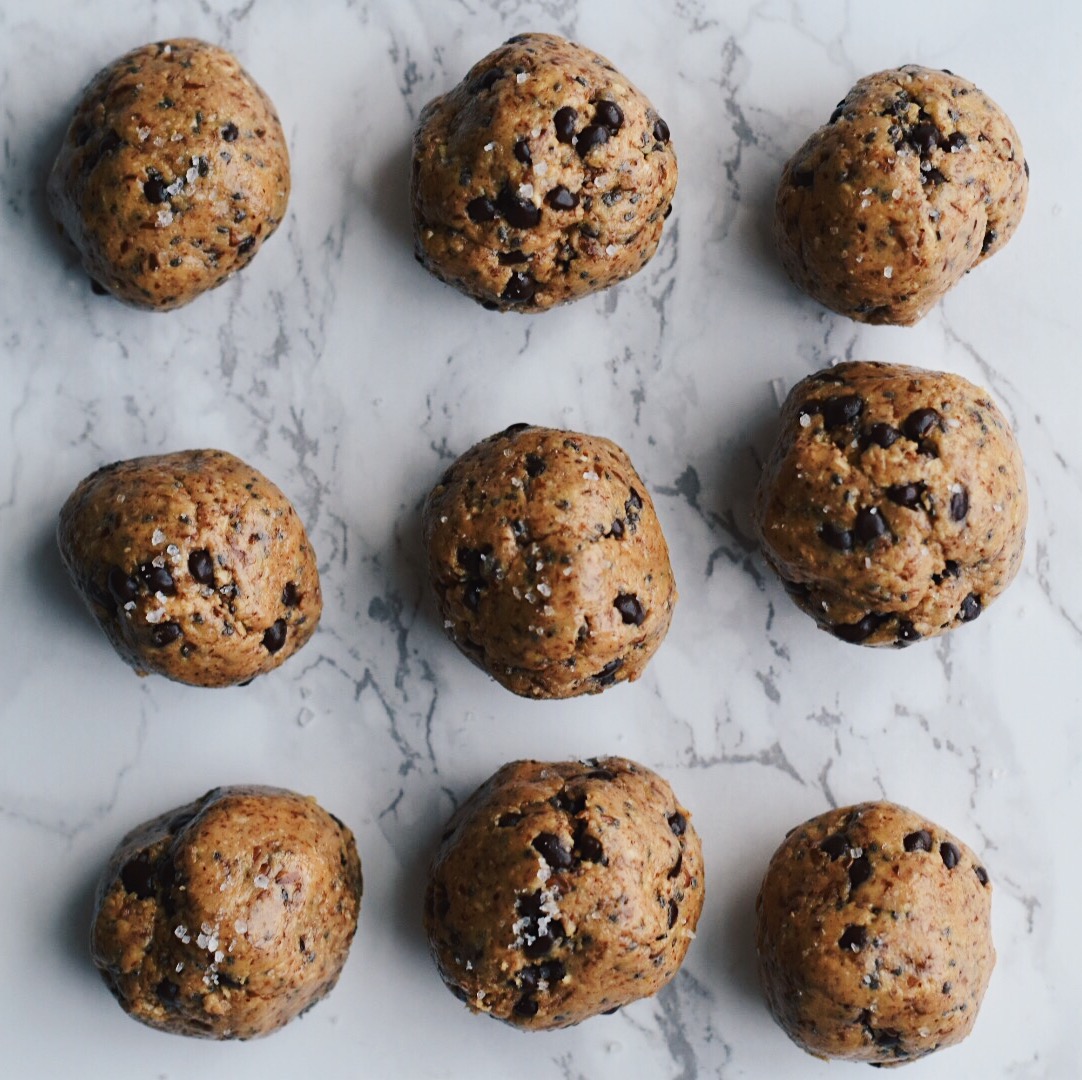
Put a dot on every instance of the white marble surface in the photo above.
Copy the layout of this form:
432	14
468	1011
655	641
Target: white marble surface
338	367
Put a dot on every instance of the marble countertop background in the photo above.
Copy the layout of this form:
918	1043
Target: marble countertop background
350	377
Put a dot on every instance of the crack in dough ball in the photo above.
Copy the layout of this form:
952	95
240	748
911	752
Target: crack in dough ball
917	177
173	172
542	177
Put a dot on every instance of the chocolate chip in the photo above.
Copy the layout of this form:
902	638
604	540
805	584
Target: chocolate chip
932	176
522	152
836	115
676	867
535	464
907	632
459	993
97	288
982	874
630	608
559	198
840	410
512	258
887	1037
919	422
959	504
921	840
924	138
518	213
835	536
471	594
124	589
487	81
990	237
677	823
601	774
632	503
564	122
274	637
591	136
859	871
246	245
661	131
610	114
970	609
589	847
549	847
674	913
950	854
291	595
137	876
541	945
520	288
616	529
607	675
201	566
507	821
553	971
230	132
526	1006
955	141
803	178
883	435
165	634
157	579
835	846
168	993
155	190
870	525
853	939
907	495
480	210
859	631
1025	165
202	166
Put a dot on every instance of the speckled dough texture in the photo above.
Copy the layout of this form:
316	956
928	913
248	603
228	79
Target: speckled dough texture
548	562
893	503
542	177
564	890
917	177
873	935
173	172
229	916
194	564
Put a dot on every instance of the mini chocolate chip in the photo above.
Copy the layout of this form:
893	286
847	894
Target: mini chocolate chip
950	854
883	435
951	568
607	675
137	876
528	978
168	993
982	874
630	608
274	637
589	848
674	913
990	237
610	114
564	122
518	213
480	210
661	131
124	589
559	198
553	971
836	115
535	464
157	579
201	566
959	504
526	1006
924	137
907	632
569	804
591	136
835	846
677	823
291	595
549	847
970	609
165	634
246	245
803	178
616	529
632	503
888	1038
840	410
855	633
507	821
522	152
870	525
835	536
859	871
541	945
202	166
853	939
907	495
155	190
520	288
932	176
921	840
956	140
919	422
230	132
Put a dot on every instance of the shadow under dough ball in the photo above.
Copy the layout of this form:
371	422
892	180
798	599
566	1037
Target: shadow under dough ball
874	935
893	502
229	916
173	172
917	177
194	564
564	890
548	562
542	177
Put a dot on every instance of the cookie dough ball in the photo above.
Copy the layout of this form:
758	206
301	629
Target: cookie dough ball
228	917
873	935
565	890
173	172
542	177
893	503
195	565
548	562
917	177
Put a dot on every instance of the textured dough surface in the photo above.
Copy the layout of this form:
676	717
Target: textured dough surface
564	890
548	562
173	172
542	177
917	178
893	503
194	564
229	916
873	935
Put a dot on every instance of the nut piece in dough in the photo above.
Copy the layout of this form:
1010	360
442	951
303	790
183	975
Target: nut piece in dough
542	177
195	565
873	935
548	562
916	178
893	503
229	916
173	172
564	890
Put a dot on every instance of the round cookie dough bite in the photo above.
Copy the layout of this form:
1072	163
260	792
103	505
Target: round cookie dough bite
194	564
873	934
563	890
542	177
548	562
228	917
893	502
173	172
916	178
